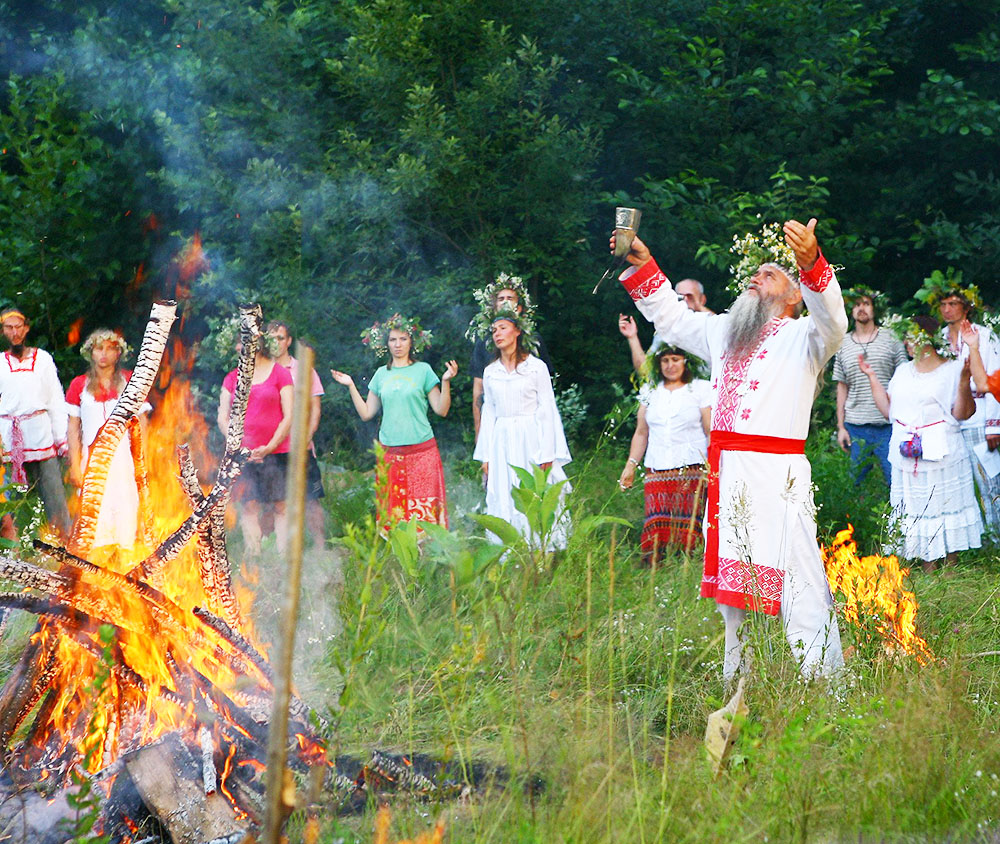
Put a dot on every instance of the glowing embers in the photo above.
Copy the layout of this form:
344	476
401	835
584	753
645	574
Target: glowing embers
874	596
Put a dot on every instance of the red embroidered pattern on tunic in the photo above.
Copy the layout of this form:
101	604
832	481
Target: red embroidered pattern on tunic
759	586
819	276
647	287
734	373
20	363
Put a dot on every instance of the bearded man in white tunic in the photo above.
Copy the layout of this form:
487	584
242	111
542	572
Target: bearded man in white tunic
761	552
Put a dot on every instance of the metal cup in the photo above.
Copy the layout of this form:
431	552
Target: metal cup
626	225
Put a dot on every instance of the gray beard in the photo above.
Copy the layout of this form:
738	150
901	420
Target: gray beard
747	318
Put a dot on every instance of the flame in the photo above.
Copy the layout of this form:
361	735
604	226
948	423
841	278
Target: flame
138	279
73	337
383	819
873	589
311	752
149	637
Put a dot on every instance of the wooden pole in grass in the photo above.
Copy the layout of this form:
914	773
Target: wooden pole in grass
277	803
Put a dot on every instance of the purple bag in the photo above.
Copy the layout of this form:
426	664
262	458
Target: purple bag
912	447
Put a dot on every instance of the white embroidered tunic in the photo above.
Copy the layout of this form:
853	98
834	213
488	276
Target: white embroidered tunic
766	526
30	390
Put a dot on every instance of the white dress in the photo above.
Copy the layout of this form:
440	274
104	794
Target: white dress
119	514
521	427
934	500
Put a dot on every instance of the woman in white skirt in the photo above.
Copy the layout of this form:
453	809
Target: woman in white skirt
932	491
520	426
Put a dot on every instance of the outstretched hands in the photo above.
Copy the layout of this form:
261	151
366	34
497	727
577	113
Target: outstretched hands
341	377
627	326
450	370
801	239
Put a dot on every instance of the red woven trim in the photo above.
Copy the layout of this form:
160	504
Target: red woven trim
645	281
819	276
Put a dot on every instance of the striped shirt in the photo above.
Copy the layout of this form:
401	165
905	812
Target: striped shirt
884	352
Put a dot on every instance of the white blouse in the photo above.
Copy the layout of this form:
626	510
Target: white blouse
676	435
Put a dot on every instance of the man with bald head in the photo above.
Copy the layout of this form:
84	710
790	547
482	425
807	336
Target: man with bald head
760	547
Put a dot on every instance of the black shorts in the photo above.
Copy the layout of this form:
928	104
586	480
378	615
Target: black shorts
264	481
314	478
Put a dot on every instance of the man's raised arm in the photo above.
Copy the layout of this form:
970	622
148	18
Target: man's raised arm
820	291
656	300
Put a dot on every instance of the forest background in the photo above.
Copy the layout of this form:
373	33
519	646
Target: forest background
341	160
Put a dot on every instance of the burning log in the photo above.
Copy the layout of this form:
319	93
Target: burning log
216	579
102	451
167	777
174	544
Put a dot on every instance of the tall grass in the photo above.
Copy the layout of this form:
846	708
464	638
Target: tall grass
599	677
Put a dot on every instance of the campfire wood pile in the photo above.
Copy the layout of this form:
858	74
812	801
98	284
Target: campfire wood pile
141	676
131	673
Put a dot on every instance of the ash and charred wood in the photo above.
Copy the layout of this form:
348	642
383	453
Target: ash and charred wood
102	451
216	579
32	577
173	544
144	524
209	776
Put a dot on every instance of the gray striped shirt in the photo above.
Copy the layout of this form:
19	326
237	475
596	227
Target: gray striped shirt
884	353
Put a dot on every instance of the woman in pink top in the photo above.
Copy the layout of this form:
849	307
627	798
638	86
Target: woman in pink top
266	434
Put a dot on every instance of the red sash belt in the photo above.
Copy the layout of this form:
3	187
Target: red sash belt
720	441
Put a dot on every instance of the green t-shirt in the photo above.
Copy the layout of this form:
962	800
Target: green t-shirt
403	393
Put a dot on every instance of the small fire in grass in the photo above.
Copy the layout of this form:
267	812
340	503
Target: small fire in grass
383	819
874	591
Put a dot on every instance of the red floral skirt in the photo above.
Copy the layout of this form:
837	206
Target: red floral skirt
675	504
410	485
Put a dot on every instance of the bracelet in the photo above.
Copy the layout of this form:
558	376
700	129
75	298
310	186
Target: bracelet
633	461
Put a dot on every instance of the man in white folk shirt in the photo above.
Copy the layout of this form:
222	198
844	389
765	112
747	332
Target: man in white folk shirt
760	550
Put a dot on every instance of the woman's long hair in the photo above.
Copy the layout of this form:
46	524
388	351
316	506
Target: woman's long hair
520	351
99	338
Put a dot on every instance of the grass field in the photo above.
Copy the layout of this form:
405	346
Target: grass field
598	677
590	683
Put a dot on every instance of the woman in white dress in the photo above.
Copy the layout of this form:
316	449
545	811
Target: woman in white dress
89	401
520	427
932	492
672	433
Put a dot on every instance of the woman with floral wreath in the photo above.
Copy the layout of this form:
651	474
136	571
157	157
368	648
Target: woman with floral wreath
521	426
89	401
671	432
932	492
411	478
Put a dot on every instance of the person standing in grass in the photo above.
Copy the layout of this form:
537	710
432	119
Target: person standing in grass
957	305
861	429
671	432
89	401
521	426
932	493
761	552
410	477
266	433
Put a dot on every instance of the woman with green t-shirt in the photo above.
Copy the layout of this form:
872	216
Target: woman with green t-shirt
410	479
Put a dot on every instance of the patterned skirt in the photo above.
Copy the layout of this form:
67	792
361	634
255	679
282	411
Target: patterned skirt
409	484
675	504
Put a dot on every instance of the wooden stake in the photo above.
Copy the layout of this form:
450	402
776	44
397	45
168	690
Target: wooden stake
275	809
